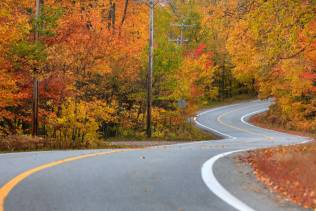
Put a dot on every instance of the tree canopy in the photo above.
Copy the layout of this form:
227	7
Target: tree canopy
91	61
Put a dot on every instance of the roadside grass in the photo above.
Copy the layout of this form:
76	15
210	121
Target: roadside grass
187	133
288	170
21	143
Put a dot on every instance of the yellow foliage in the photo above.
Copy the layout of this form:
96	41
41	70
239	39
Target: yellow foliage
78	121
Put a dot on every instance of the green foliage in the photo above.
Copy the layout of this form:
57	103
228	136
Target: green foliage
47	22
167	60
29	51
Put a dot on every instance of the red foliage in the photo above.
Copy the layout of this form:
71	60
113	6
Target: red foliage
200	50
309	76
55	88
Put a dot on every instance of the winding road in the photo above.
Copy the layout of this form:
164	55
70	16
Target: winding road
198	176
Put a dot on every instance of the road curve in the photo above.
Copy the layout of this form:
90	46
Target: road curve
178	177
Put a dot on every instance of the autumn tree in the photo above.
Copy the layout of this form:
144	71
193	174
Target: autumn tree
269	44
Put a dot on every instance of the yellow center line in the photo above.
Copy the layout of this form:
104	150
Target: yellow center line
220	120
7	188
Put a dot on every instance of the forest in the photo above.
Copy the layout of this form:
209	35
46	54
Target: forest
89	61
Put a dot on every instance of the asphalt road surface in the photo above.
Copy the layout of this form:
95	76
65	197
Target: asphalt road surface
184	177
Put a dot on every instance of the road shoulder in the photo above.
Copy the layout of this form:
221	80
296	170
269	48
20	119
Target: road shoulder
240	181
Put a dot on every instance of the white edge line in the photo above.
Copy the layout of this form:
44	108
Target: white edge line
243	119
205	127
209	177
212	183
208	173
250	114
212	129
227	106
215	109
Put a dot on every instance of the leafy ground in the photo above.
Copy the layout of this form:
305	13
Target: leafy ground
288	170
263	121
